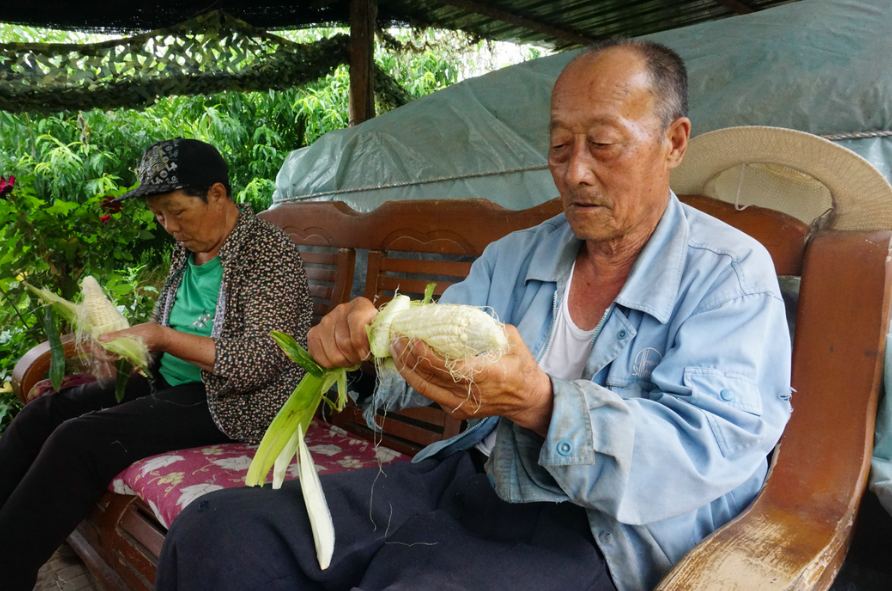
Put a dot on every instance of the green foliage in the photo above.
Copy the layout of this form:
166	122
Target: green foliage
51	230
54	243
75	156
9	406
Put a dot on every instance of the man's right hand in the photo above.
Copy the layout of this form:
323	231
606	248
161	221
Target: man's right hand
340	339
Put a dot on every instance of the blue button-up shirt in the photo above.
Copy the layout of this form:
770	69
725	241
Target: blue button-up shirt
686	391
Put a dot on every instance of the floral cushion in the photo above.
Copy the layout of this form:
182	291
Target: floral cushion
170	481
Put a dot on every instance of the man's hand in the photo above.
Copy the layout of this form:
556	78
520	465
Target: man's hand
340	339
155	336
515	387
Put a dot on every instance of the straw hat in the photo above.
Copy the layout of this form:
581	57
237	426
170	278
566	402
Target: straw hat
801	174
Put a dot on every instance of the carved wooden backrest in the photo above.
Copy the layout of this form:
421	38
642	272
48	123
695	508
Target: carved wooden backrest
411	243
418	242
326	248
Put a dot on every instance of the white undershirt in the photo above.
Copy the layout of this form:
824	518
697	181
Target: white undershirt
565	355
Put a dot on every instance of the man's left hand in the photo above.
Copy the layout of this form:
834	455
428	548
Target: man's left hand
514	387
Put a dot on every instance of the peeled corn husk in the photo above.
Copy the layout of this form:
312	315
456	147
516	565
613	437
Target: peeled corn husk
92	317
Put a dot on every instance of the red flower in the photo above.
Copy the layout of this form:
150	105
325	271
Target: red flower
104	219
110	207
6	187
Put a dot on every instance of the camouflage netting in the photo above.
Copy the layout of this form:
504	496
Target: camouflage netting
210	53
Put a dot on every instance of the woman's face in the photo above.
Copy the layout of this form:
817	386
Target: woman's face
198	226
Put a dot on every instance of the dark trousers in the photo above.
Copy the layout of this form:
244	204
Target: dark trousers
62	450
429	526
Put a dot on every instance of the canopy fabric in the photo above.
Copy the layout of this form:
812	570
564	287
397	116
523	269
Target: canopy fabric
542	22
204	55
818	66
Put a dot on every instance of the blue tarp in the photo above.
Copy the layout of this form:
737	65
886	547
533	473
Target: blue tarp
820	66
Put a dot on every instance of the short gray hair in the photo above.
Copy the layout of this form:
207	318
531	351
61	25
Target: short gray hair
668	75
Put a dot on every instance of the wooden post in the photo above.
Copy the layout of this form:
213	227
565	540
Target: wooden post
362	52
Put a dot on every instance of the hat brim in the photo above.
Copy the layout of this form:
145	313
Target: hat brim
143	191
862	197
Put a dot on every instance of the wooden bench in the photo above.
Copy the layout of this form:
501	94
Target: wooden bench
795	534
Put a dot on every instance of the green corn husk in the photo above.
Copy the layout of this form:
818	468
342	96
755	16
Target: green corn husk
64	308
278	444
285	437
57	352
131	349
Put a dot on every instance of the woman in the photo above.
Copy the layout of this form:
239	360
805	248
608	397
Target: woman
218	375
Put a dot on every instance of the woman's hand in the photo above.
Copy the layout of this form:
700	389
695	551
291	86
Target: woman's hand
155	336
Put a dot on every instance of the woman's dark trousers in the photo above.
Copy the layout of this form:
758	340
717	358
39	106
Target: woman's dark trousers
61	452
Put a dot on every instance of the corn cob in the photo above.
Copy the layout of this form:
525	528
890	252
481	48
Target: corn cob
379	330
96	315
102	315
455	332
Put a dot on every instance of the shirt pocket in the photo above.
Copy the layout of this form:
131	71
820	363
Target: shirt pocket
732	405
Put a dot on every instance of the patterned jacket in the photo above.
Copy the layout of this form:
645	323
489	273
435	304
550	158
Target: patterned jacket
264	288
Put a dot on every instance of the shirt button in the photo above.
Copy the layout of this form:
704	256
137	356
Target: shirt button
727	394
621	334
564	448
606	538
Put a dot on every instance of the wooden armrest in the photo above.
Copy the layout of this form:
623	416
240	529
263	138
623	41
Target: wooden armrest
34	365
796	533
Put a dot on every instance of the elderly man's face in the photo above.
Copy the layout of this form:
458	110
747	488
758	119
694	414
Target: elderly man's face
609	156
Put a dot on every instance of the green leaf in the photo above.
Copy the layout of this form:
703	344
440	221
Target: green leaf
302	402
69	247
429	293
145	235
57	352
123	367
61	207
298	354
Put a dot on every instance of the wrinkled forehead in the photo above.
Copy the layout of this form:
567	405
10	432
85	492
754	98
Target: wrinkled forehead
174	199
607	85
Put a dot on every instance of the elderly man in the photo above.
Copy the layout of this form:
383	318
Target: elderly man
647	380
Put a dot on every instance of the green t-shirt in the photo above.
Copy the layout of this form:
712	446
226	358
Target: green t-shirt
193	312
